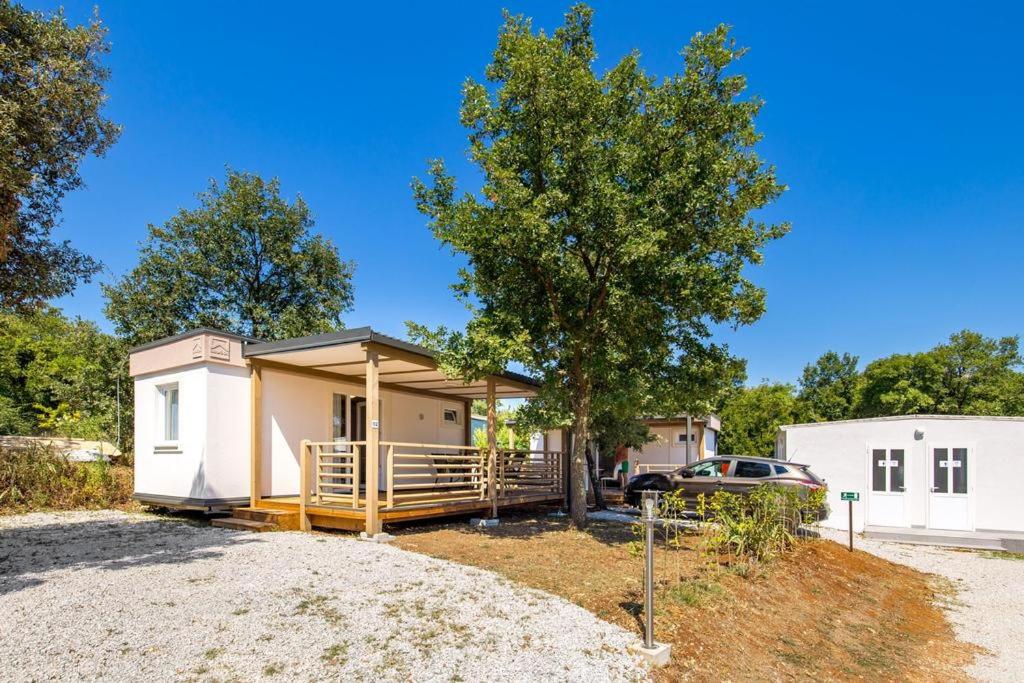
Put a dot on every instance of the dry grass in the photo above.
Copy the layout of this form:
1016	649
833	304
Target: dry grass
34	477
820	613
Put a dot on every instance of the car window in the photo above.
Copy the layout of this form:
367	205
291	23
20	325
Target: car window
752	470
780	469
715	468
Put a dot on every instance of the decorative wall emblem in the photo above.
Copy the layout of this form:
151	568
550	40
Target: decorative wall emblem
197	347
220	348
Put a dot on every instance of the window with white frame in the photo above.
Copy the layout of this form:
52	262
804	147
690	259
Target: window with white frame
451	416
168	411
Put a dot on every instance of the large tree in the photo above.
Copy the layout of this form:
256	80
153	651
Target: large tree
829	386
51	99
969	375
245	261
614	222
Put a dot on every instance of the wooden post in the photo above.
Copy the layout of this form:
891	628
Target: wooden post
372	441
305	453
468	416
255	434
492	446
390	481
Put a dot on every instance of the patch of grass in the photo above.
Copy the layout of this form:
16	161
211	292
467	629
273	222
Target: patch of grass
1002	555
273	669
335	654
37	477
212	653
240	611
694	592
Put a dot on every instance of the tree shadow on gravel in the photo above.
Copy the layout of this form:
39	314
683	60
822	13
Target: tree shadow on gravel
27	552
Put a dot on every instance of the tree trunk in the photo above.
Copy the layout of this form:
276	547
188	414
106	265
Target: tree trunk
578	460
594	484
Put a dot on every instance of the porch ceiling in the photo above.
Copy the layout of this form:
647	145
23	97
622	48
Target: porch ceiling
402	365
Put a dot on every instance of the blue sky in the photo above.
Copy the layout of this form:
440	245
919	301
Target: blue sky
896	126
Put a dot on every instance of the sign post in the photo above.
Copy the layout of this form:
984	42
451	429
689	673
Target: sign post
850	497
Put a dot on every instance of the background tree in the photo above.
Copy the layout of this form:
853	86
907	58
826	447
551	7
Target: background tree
751	418
900	384
244	262
977	373
829	386
51	97
58	376
614	223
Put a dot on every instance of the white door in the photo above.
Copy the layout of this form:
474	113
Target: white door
949	500
887	505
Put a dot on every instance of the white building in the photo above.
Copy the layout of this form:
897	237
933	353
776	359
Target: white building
678	440
934	475
349	429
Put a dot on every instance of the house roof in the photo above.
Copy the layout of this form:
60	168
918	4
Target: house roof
401	363
192	333
893	418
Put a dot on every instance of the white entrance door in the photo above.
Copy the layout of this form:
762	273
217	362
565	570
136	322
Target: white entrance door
949	504
887	496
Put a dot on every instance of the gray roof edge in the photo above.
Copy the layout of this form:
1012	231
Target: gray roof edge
894	418
190	333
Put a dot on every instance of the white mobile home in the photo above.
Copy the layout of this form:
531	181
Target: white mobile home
347	429
936	474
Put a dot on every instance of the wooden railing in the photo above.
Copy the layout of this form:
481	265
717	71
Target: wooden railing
528	472
336	469
418	473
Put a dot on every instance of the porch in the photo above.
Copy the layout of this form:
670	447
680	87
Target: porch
400	445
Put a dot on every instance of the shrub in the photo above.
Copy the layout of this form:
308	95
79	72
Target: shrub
760	525
36	477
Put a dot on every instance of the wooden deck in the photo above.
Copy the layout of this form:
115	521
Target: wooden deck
337	517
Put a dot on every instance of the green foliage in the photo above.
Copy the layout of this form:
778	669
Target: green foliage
244	261
694	592
828	387
760	525
613	226
969	375
38	478
58	376
51	97
751	418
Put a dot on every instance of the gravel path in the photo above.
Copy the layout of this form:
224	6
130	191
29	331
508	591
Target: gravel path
989	606
110	596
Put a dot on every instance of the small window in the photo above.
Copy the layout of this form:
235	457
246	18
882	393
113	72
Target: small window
752	470
168	411
450	416
681	437
338	421
780	469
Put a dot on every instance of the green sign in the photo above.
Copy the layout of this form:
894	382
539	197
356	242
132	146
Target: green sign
849	495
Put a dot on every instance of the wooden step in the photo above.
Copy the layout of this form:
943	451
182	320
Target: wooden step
243	524
282	519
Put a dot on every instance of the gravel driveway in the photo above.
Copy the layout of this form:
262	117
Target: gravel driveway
988	609
110	596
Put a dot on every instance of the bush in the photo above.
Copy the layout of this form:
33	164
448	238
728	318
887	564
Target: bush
760	525
36	477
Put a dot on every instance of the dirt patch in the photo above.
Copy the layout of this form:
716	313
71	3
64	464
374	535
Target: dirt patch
820	613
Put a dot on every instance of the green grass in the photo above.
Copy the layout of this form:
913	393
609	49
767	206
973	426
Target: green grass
694	592
1002	555
35	477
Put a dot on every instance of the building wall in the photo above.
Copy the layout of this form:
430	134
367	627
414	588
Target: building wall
228	432
298	407
180	472
668	450
838	452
